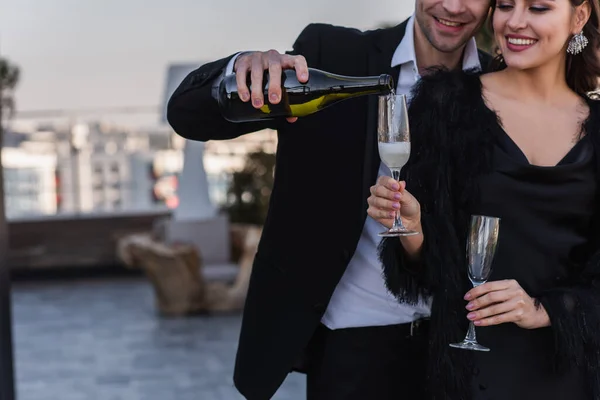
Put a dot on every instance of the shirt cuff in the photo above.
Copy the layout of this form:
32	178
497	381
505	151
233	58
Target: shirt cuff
229	68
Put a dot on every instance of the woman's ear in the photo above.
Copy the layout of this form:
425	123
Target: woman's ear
581	16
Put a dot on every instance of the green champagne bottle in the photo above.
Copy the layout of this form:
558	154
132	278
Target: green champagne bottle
322	90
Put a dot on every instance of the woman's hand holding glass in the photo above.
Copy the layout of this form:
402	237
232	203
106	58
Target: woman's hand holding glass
389	196
491	303
499	302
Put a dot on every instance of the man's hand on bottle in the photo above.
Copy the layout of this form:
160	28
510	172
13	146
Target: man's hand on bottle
255	63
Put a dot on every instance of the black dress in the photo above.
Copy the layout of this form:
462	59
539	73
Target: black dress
462	163
546	215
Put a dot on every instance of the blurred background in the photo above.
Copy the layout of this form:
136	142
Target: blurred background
130	248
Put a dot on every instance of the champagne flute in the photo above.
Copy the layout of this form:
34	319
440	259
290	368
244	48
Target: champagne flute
481	246
394	147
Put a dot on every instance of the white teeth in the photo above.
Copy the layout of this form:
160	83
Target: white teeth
521	42
448	23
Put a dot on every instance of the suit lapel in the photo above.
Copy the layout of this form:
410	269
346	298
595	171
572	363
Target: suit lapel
380	59
485	60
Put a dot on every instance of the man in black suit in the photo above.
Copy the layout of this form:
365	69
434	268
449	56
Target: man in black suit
317	301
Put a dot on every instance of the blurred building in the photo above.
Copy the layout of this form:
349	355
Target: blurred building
89	168
68	167
29	182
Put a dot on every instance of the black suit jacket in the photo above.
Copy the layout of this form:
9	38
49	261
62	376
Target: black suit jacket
326	163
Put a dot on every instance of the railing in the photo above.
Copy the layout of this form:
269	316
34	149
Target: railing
74	241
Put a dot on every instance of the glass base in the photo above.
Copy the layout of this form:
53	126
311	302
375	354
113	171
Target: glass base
468	345
398	232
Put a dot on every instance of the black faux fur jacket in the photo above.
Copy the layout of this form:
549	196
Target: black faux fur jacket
452	140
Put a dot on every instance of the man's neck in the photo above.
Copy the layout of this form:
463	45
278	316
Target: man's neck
427	56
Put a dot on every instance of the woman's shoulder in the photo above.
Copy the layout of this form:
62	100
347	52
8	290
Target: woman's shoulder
593	121
593	102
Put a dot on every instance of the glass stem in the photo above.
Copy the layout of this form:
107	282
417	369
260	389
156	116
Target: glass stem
471	337
397	220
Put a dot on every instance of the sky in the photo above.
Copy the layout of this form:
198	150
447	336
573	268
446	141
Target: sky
80	54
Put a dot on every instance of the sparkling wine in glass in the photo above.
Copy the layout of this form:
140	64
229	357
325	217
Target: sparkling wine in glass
394	146
481	247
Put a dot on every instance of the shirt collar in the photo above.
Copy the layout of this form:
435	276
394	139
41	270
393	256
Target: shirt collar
405	52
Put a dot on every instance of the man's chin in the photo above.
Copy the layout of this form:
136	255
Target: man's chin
448	47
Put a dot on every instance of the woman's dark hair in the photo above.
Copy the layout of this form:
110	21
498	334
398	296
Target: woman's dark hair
583	69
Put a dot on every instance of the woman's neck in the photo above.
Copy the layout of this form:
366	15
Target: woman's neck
545	84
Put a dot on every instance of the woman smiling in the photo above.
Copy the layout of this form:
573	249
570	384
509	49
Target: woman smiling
523	144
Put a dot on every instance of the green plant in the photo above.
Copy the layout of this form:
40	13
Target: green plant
9	77
250	189
485	38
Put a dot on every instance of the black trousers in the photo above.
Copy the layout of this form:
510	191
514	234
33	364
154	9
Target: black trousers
371	363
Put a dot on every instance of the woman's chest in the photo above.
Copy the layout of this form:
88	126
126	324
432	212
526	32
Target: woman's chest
543	144
544	135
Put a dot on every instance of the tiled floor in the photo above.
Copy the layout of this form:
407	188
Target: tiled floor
101	339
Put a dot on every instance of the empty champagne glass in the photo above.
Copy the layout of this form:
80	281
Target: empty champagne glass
394	146
481	247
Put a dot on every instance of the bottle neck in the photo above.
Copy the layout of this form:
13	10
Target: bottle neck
332	83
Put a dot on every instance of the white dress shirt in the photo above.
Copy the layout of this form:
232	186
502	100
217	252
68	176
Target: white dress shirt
361	298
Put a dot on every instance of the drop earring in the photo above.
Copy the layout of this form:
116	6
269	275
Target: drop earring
577	43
